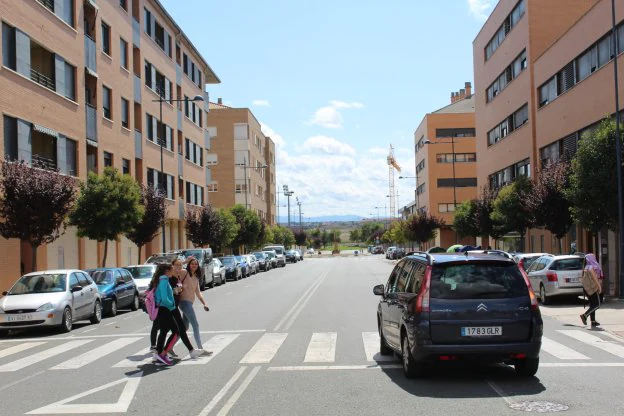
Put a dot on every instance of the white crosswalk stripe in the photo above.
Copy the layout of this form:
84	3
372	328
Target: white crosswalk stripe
322	348
141	357
608	346
265	349
95	354
215	344
43	355
371	347
560	351
19	348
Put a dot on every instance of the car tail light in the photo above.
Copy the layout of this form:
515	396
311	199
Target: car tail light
534	304
551	276
422	299
448	358
521	264
518	356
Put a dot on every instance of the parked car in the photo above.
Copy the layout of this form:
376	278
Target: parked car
291	256
272	257
447	307
204	257
245	266
142	275
218	272
389	252
264	263
525	260
117	289
162	258
280	252
556	276
233	269
310	250
299	254
52	298
253	263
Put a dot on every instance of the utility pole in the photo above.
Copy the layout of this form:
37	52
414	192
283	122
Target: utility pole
288	194
300	225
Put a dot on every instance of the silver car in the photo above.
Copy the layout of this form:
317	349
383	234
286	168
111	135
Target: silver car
556	276
218	272
55	298
142	275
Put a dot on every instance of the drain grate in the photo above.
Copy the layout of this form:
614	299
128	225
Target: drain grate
539	407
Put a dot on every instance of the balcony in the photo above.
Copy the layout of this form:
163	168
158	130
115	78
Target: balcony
91	123
42	79
90	54
48	3
43	162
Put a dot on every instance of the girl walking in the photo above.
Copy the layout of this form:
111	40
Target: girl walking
190	290
166	304
179	274
592	272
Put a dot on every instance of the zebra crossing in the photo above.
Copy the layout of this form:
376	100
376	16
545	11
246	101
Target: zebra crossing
564	347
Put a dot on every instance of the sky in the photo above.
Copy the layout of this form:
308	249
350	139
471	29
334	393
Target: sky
336	82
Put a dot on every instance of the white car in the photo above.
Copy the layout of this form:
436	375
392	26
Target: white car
142	275
310	250
556	276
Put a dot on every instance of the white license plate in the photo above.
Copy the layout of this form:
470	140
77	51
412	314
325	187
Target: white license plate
573	279
19	317
481	331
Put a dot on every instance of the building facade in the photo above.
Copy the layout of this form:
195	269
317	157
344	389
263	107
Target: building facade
81	84
242	162
446	163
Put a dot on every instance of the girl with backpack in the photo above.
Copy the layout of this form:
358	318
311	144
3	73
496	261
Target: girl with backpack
190	285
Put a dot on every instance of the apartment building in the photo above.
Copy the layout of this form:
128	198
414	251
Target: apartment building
81	84
242	162
446	163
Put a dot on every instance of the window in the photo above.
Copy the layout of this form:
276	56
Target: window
420	189
191	70
66	12
473	280
125	112
509	74
194	194
239	188
510	21
70	82
459	157
213	187
123	53
194	152
449	207
167	185
125	166
148	22
108	159
509	174
508	125
124	4
8	46
106	102
458	132
459	182
548	92
106	43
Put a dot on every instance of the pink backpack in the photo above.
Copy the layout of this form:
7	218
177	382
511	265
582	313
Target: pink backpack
150	304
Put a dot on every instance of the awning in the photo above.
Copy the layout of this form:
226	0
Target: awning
91	72
45	130
92	4
92	143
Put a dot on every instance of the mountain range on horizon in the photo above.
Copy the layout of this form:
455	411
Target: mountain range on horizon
283	220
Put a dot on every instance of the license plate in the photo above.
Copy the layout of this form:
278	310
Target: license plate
19	317
573	280
481	331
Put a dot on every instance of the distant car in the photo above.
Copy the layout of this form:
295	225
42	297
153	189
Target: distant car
300	254
253	262
204	258
389	252
117	289
525	260
272	257
279	253
310	250
291	256
218	272
264	263
56	298
556	276
142	274
245	266
162	258
233	269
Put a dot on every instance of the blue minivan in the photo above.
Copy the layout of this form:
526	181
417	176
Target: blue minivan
117	289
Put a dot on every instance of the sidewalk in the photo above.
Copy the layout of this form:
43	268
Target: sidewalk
610	315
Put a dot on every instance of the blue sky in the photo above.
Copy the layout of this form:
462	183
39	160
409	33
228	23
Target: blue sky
334	83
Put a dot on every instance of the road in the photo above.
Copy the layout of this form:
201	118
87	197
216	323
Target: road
299	340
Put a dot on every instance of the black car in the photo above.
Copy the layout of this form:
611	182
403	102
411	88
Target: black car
291	256
264	263
448	307
233	268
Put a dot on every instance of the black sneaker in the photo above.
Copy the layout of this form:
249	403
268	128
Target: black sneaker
584	319
595	324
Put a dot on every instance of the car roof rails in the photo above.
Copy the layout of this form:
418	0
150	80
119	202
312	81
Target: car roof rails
425	254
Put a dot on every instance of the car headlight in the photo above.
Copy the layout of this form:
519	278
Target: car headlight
45	307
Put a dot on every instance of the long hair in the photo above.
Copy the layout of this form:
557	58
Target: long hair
198	271
161	269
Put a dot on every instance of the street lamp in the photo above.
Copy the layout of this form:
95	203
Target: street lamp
245	167
415	190
161	139
452	143
288	194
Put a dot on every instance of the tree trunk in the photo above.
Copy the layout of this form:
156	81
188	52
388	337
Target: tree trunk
139	247
105	253
522	236
34	257
560	247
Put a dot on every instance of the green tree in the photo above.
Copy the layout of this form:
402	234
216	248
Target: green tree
226	232
464	221
34	204
482	213
396	233
592	190
511	211
109	205
316	233
354	235
154	213
249	226
423	227
301	238
202	225
325	238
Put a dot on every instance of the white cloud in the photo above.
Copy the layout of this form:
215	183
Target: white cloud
261	103
328	145
277	139
481	8
330	117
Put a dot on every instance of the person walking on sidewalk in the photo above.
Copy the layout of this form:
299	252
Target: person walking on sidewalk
592	288
166	304
190	290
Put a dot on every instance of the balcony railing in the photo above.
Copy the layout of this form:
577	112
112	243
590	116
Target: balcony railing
91	123
48	3
42	162
41	79
90	54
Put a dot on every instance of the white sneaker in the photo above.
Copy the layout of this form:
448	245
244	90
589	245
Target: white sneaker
206	353
195	353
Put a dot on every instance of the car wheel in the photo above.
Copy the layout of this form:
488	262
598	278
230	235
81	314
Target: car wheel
4	332
543	297
66	322
135	302
411	368
112	309
384	349
223	279
96	318
527	367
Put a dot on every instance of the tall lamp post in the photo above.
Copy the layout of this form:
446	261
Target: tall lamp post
299	204
245	167
161	182
416	189
452	143
288	194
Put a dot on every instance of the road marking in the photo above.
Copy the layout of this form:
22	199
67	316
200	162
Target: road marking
139	358
322	348
88	330
265	349
19	348
110	323
371	347
499	391
614	337
215	344
555	365
229	293
608	346
217	398
21	380
121	406
43	355
129	317
561	351
239	392
95	354
336	367
292	314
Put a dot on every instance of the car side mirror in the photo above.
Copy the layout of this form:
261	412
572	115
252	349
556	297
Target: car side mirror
76	289
379	290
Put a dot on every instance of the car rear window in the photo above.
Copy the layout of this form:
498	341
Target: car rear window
567	264
477	280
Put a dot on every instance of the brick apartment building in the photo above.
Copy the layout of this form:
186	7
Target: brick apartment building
79	80
242	162
444	135
544	76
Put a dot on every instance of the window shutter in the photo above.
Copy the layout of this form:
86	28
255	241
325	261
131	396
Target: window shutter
156	134
168	134
154	84
61	154
59	67
167	44
22	52
198	155
167	90
70	81
169	186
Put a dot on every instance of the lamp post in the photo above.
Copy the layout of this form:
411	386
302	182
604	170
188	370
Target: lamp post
452	143
415	190
161	139
245	167
288	194
299	204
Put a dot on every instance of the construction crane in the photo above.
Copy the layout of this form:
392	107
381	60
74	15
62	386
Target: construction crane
392	165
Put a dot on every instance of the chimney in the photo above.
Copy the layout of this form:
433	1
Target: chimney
468	89
220	100
462	94
452	97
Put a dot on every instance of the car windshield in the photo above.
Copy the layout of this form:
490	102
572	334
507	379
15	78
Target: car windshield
228	261
528	261
567	264
195	253
477	280
102	277
278	250
40	283
168	258
240	258
142	272
270	255
259	255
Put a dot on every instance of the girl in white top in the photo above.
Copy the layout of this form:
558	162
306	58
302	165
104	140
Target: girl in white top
190	284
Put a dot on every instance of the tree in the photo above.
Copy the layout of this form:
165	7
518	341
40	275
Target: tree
301	238
483	210
464	220
283	236
226	231
108	205
592	189
549	202
202	225
354	235
511	212
325	238
422	227
154	213
396	233
249	226
34	204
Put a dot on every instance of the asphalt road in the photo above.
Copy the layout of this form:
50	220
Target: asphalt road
299	340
